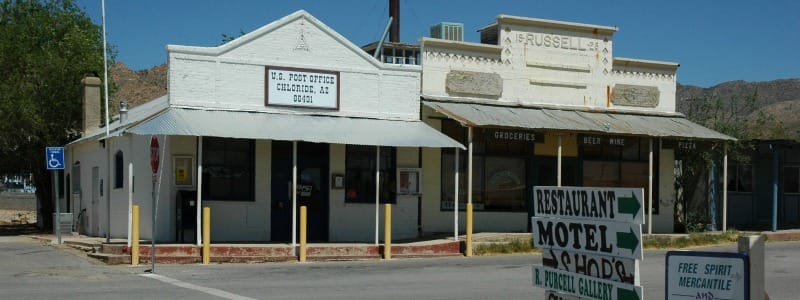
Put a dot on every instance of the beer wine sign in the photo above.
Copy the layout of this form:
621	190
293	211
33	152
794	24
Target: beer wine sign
590	239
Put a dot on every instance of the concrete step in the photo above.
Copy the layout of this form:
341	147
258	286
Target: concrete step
88	247
343	250
161	250
112	259
223	250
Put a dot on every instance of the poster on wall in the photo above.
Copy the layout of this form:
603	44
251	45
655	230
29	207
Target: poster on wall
302	88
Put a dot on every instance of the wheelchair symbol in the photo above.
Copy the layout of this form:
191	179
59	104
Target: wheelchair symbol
53	162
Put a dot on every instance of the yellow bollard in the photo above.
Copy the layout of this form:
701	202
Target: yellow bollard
135	236
387	231
303	211
206	235
469	230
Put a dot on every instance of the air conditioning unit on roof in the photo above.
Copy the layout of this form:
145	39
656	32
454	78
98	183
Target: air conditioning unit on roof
448	31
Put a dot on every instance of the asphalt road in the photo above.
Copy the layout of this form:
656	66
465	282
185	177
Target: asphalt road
30	270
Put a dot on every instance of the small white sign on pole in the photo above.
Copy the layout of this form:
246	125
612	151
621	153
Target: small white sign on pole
707	275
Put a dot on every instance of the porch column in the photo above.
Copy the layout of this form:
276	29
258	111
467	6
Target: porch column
199	207
559	161
469	193
725	188
377	190
774	187
455	201
294	197
130	198
650	189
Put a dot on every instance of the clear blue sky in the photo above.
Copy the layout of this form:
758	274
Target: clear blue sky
714	41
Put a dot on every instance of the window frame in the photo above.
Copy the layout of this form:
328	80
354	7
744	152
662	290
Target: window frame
388	175
249	195
796	169
119	170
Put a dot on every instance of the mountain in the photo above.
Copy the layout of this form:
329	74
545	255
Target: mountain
778	98
136	87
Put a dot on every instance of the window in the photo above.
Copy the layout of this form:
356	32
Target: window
791	179
228	169
360	174
499	165
619	162
119	170
740	178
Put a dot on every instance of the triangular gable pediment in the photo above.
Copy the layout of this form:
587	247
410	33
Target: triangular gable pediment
296	39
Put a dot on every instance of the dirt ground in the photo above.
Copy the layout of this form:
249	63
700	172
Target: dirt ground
17	208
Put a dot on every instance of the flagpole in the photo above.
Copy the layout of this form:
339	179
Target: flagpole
108	129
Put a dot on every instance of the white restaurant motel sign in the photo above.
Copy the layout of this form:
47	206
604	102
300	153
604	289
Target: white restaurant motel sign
591	241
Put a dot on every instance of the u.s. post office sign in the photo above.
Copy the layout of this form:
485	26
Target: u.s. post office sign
302	88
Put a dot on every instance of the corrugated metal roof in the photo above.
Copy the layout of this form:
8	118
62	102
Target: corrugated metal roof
135	115
474	114
289	127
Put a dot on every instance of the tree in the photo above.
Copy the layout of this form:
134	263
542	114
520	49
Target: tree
46	48
738	117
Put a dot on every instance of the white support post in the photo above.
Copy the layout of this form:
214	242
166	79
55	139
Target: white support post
455	201
294	197
130	199
377	191
725	189
650	189
559	160
199	209
469	165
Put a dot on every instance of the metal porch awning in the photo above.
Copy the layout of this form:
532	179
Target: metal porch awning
291	127
478	115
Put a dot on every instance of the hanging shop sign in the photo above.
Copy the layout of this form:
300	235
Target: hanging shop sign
593	140
602	204
563	282
302	88
514	136
707	275
598	266
592	237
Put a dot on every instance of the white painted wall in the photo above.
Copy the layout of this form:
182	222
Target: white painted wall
355	222
580	74
232	76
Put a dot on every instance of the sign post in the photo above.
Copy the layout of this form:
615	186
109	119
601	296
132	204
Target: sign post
155	160
54	158
591	241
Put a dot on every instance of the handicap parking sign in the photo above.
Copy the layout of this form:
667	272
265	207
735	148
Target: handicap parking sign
54	158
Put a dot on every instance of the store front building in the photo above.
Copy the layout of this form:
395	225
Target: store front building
290	106
545	103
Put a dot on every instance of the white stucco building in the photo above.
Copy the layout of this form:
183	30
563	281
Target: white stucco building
538	102
543	102
230	124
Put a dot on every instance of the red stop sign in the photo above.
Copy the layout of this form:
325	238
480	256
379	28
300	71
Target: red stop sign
154	154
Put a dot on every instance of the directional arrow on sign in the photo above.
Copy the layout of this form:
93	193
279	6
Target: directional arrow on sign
629	205
589	203
628	240
592	237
